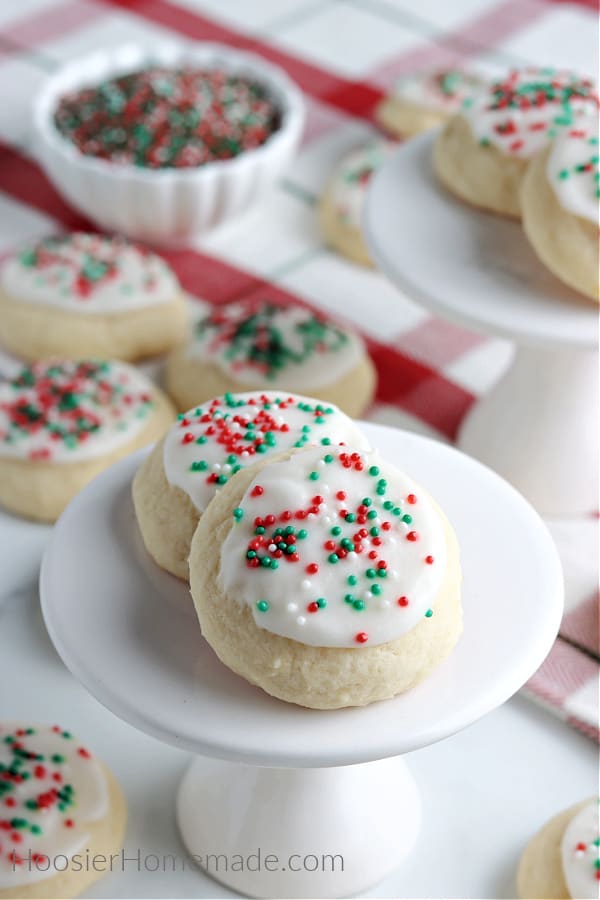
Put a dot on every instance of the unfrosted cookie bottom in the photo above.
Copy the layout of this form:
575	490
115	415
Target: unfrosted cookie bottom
403	119
564	242
191	381
540	873
481	175
33	331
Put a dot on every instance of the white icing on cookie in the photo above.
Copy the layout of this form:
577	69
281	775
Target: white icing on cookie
335	548
439	90
209	444
351	178
527	109
66	411
573	171
51	789
88	273
276	347
580	853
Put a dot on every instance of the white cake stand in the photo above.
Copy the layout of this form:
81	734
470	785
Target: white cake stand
539	426
293	783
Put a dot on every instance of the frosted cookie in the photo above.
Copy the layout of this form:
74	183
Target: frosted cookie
207	446
267	346
63	422
328	578
563	859
82	295
59	807
342	202
483	152
424	100
560	199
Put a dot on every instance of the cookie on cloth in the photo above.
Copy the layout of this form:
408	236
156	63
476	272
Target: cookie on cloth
560	199
327	578
59	808
342	202
87	295
562	861
424	100
207	446
272	347
483	152
62	422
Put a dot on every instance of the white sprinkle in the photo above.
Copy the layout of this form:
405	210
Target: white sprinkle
226	468
216	467
301	620
292	607
368	595
276	664
306	585
272	548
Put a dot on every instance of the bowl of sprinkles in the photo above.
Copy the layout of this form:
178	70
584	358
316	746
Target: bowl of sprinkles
166	143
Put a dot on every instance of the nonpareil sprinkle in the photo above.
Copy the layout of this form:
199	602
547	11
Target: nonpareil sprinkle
160	118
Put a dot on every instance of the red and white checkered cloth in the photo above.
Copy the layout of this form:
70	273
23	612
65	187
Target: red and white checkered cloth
344	55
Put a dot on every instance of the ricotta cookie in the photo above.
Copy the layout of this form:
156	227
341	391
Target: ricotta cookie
424	100
63	422
267	346
204	450
483	152
59	808
342	202
328	578
82	295
563	859
560	200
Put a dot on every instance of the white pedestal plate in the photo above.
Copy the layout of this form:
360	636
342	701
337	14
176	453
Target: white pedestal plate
539	426
302	786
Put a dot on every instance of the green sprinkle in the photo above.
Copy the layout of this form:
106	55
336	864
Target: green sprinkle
262	605
429	614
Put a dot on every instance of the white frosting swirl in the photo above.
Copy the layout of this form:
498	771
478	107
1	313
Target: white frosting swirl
51	789
88	273
351	179
580	853
573	172
209	444
529	108
67	411
335	548
275	347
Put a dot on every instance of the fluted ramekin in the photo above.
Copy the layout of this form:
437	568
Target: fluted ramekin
165	205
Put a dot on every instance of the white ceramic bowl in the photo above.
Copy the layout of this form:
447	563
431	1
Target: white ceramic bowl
164	205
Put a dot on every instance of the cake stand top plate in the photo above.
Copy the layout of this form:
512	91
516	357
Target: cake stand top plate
472	267
129	633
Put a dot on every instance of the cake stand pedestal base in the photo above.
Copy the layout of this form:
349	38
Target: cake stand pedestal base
326	832
538	428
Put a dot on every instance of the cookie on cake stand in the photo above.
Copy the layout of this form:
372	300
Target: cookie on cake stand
297	780
537	427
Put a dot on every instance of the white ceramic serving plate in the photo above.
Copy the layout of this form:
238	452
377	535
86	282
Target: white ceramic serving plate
129	631
467	265
166	205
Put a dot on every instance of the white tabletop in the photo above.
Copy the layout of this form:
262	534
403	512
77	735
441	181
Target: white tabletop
485	790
